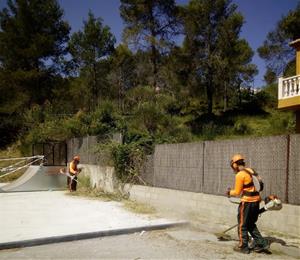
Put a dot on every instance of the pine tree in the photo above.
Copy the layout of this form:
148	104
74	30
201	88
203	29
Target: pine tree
150	26
277	53
89	49
33	38
217	57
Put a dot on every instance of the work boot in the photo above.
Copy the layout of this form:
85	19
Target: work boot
251	243
260	249
243	250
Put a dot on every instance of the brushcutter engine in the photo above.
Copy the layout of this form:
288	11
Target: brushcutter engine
272	202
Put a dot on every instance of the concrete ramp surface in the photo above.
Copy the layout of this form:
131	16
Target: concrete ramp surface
37	178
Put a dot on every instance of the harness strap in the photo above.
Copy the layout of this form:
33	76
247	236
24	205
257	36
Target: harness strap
250	184
250	193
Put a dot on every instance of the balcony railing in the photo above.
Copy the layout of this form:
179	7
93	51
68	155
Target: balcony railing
289	87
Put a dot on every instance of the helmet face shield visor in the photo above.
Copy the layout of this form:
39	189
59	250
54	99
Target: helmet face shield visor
235	163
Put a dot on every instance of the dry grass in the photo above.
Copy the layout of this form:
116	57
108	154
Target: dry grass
84	190
95	194
138	208
12	177
11	152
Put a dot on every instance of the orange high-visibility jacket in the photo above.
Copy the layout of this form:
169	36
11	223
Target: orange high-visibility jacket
73	168
243	178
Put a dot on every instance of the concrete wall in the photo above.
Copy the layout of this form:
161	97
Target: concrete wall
216	209
103	178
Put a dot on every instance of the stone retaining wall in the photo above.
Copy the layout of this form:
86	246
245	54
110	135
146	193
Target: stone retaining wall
216	209
101	177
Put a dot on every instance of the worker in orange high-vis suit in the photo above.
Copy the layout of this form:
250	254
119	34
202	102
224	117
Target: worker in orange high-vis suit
73	172
248	209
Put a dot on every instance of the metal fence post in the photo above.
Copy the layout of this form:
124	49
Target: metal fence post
66	153
287	169
203	166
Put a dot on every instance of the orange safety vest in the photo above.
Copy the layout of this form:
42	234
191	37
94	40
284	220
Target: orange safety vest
244	186
73	168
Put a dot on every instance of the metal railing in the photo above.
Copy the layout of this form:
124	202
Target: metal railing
22	160
289	87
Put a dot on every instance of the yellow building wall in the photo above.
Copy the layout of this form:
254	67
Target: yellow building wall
289	103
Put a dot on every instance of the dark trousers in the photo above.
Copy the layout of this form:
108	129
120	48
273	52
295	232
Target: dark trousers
72	183
247	216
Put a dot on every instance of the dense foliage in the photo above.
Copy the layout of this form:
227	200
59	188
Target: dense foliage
280	57
183	73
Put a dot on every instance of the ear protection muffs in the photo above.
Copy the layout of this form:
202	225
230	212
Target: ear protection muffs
233	165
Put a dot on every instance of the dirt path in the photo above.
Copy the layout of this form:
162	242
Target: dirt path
183	243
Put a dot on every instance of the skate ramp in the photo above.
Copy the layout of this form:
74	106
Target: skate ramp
37	178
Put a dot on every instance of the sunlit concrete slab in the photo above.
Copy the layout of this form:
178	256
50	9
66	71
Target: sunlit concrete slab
33	218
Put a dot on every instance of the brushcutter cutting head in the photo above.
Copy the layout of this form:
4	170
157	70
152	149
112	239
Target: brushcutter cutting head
223	237
273	204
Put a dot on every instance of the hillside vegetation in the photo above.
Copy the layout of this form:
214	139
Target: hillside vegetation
151	87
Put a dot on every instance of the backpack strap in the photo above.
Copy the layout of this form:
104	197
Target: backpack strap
250	184
250	193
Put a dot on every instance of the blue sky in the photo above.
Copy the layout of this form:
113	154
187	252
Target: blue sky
260	16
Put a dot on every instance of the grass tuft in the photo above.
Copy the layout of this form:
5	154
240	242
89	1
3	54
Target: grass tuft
85	190
137	207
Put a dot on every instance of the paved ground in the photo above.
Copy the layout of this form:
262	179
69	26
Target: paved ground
40	214
180	243
31	215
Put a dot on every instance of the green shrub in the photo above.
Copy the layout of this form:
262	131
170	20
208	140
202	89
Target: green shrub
105	119
135	97
128	161
281	122
241	128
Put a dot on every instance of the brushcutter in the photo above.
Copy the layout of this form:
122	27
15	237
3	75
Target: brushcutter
64	172
272	202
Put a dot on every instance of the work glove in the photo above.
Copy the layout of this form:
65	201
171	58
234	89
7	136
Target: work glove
228	192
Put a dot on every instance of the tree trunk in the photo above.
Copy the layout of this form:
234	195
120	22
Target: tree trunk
95	94
225	97
154	65
209	93
153	47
